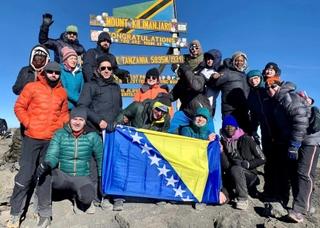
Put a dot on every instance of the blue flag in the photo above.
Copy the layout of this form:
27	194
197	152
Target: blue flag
143	163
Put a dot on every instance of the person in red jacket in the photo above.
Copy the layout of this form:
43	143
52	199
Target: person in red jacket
42	108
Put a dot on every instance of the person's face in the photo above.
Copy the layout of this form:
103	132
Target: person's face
254	81
72	61
157	114
39	61
200	121
53	75
230	130
194	50
152	80
272	90
209	62
72	36
77	123
270	72
239	62
105	69
105	45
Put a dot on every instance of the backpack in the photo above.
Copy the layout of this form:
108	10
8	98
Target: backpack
314	121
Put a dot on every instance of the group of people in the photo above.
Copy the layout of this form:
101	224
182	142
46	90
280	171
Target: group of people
64	105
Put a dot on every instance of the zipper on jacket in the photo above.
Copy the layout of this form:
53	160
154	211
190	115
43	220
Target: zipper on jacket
75	157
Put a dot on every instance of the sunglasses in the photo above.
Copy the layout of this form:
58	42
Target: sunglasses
194	48
53	71
152	77
72	33
103	68
272	86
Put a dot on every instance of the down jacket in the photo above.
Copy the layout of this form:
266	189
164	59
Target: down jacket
42	109
72	154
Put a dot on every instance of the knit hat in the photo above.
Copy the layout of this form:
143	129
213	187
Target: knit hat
203	112
104	36
253	73
229	120
164	98
72	28
78	112
274	66
67	52
161	106
196	43
52	66
103	58
153	72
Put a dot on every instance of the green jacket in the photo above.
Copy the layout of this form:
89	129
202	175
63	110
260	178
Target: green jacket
72	155
140	116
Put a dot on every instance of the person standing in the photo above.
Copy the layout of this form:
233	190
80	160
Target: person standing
42	108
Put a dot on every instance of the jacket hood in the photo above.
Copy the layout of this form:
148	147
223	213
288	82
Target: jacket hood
237	54
34	51
285	88
216	56
203	112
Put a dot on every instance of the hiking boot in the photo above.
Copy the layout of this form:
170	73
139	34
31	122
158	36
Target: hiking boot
242	204
118	205
14	221
295	216
161	203
200	206
105	204
44	222
91	209
76	210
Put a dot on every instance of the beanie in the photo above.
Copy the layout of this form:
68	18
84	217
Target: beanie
103	58
253	73
67	52
164	98
72	28
274	66
153	72
104	36
161	106
229	120
78	112
52	66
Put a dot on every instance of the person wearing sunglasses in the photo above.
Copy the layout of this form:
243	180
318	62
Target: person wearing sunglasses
90	59
68	38
42	108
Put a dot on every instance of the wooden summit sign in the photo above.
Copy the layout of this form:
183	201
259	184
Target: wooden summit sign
155	59
139	79
142	24
129	38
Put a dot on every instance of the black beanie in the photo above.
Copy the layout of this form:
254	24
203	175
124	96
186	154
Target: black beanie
164	98
104	36
52	66
103	58
274	66
79	112
153	72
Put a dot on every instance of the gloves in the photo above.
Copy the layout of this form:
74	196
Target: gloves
293	153
256	138
42	169
47	19
245	164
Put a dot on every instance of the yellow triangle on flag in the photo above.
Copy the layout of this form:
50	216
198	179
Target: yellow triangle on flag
186	155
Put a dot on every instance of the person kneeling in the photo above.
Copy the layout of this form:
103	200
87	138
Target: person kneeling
68	158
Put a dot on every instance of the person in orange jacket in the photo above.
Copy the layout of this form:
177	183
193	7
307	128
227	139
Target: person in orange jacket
42	108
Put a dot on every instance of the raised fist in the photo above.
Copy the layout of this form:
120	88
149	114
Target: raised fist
47	19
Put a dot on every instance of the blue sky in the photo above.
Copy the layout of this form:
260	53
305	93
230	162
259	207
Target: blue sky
286	32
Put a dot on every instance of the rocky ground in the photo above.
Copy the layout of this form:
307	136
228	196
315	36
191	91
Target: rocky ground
147	214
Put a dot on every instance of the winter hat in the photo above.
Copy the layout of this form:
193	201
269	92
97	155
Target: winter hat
229	120
196	43
203	112
274	66
152	72
103	58
164	98
104	36
52	66
161	106
253	73
78	112
72	28
67	52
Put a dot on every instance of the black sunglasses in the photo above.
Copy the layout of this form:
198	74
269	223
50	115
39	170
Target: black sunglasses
194	48
272	86
72	33
152	77
53	71
104	68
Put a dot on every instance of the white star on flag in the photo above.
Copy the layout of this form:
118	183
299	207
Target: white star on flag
178	191
136	138
187	199
146	149
155	160
163	170
171	181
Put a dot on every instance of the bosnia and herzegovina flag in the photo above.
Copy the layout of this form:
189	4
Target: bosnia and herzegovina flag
144	163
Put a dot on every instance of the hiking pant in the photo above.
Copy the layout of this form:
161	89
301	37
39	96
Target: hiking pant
306	171
32	153
243	179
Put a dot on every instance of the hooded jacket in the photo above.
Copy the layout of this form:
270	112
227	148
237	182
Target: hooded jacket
57	44
42	109
29	73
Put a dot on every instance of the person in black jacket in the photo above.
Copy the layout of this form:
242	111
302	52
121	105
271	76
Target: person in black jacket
240	158
67	38
39	58
90	59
